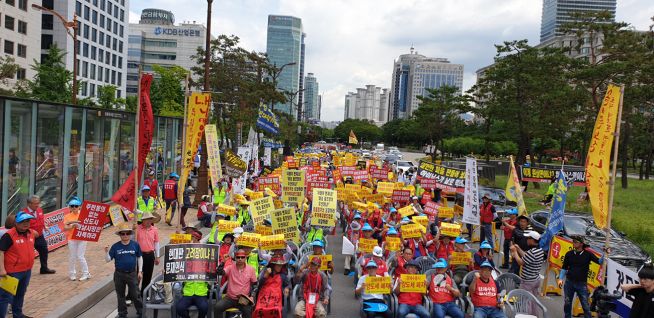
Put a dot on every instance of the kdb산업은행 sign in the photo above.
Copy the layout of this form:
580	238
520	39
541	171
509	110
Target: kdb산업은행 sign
190	262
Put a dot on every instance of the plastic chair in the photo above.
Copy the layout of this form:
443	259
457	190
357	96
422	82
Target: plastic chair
468	307
520	301
425	263
508	282
156	307
223	290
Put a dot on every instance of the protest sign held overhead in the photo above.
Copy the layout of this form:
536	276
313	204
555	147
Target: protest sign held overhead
447	178
91	221
213	154
471	193
323	210
284	221
260	209
190	262
293	186
234	165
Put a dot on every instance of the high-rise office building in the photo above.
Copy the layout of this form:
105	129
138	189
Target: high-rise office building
556	13
311	109
284	46
413	74
368	103
156	40
101	37
20	37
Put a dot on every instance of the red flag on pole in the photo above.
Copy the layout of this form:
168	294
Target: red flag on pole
125	195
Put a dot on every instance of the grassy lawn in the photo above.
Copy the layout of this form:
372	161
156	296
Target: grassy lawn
632	212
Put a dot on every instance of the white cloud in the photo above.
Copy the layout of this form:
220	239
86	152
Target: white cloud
353	43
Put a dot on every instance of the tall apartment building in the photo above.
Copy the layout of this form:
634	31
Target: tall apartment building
156	40
369	103
311	108
20	37
413	74
556	13
284	45
101	37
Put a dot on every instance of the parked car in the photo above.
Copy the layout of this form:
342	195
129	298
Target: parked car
497	197
623	251
392	159
402	165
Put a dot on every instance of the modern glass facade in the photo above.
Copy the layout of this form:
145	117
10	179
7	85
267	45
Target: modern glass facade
556	13
283	46
58	151
311	89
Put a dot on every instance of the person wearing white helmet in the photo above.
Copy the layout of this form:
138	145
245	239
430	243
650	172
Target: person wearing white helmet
377	254
76	248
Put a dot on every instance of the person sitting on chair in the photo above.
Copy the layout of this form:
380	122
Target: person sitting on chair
273	284
371	270
314	295
240	280
410	302
442	293
194	293
485	295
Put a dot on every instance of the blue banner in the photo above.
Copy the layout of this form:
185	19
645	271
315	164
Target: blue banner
269	143
267	120
555	222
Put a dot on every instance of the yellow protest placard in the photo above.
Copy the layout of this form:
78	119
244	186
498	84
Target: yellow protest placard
559	247
256	195
9	284
411	231
272	242
445	212
293	186
385	188
411	189
249	239
323	209
180	238
359	206
366	245
226	209
450	229
260	209
393	244
263	230
225	226
378	285
413	283
422	220
406	211
324	259
284	221
460	258
355	187
399	185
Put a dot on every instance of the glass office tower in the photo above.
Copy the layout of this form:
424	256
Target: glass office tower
557	13
284	46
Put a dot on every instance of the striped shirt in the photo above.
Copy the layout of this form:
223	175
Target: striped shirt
533	261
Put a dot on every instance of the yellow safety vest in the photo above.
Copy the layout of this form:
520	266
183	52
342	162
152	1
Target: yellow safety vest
214	235
219	195
195	289
142	207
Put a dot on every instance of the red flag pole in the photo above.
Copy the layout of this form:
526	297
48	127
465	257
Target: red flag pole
136	150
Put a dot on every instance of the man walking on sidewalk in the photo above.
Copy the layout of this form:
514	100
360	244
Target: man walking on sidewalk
37	223
129	270
147	235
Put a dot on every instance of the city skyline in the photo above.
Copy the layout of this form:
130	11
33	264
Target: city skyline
348	50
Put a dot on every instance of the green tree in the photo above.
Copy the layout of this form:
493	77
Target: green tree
365	130
8	69
167	92
52	82
107	98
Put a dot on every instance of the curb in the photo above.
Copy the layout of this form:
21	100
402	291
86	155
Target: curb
79	304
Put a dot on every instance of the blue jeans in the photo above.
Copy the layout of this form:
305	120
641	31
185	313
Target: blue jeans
569	290
486	233
16	301
451	309
419	310
488	312
201	302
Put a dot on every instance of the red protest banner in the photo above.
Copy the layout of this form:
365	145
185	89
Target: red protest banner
54	229
431	208
377	173
317	184
401	195
359	175
269	182
428	183
91	221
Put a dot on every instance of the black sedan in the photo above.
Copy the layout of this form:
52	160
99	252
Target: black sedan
497	198
623	250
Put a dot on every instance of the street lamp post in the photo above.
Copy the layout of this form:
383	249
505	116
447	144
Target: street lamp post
274	79
69	25
203	175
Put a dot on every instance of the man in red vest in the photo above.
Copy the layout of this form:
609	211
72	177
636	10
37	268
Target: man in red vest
410	302
487	215
37	223
484	294
17	253
152	182
170	193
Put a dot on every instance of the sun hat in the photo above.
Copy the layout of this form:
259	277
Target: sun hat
377	251
121	228
317	243
485	244
147	216
75	201
393	210
357	216
391	231
513	211
355	226
460	240
316	260
441	263
173	175
486	264
371	264
22	216
238	231
366	227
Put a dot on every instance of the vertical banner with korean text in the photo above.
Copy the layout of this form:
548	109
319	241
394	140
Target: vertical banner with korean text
238	184
196	119
213	154
471	193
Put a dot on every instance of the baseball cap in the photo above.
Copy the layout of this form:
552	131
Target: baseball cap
145	188
485	244
532	234
174	175
486	264
75	201
513	211
22	216
377	251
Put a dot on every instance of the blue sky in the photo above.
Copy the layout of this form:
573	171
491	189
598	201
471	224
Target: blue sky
353	43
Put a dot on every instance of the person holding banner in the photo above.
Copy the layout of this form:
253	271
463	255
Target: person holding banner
314	290
576	264
360	290
240	280
170	195
460	271
128	269
318	249
442	293
642	294
484	294
37	223
409	302
398	263
508	225
273	283
76	248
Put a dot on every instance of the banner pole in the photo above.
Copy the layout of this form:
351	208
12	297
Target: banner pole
616	141
136	151
182	183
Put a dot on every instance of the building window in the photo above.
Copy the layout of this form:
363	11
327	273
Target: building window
120	79
87	13
115	44
122	15
115	27
84	88
92	90
47	22
79	28
85	50
9	47
108	41
46	41
93	52
107	57
11	2
101	55
119	94
21	50
101	38
21	74
22	27
78	8
113	60
85	68
22	4
109	7
101	21
120	62
48	4
108	24
86	31
100	70
122	29
102	4
120	46
94	17
106	75
9	22
93	71
94	35
113	77
95	3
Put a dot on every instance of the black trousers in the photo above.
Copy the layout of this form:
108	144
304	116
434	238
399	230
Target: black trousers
130	282
41	246
148	268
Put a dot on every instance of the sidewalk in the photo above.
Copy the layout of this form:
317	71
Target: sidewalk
46	293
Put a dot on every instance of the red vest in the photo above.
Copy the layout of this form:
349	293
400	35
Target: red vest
169	190
440	295
20	255
312	285
411	299
412	244
381	265
38	222
154	187
444	251
200	213
508	233
399	270
485	294
486	213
